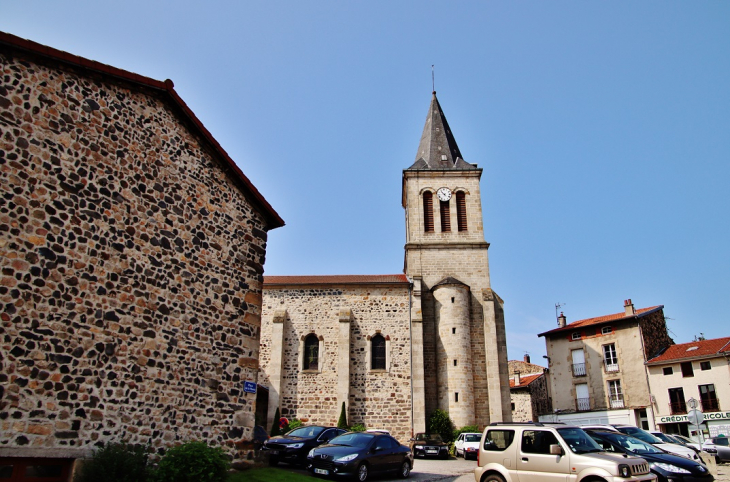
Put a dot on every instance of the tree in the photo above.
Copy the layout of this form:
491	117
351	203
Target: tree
342	422
439	422
275	430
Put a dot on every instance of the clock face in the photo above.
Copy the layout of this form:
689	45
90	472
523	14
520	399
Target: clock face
444	194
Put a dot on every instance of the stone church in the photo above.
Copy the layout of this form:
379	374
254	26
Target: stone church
394	348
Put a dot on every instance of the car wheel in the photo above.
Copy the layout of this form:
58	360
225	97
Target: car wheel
445	455
405	470
493	478
362	473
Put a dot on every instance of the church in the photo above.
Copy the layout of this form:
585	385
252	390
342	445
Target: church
394	348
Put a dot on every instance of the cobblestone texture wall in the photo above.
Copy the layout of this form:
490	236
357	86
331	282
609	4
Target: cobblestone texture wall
655	334
377	398
131	270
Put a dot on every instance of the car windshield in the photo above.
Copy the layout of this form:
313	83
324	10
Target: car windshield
305	432
663	438
353	439
631	444
640	434
579	441
431	437
472	437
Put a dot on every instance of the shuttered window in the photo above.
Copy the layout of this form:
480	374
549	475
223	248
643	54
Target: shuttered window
428	211
461	210
445	217
378	356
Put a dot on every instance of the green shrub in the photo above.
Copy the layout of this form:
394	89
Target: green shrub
358	427
117	462
467	429
275	430
193	462
296	423
342	422
440	423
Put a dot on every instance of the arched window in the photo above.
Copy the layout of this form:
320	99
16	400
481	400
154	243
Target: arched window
461	210
445	217
311	352
428	211
377	343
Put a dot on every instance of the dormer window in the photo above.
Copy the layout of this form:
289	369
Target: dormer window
576	335
428	212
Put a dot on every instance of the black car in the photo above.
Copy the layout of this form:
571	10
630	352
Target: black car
359	454
667	467
429	445
294	446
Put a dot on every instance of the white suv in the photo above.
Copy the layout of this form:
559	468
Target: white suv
536	452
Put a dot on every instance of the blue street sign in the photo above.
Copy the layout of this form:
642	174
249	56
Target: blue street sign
249	387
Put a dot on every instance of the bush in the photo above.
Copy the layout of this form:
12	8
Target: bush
440	423
358	427
342	422
467	429
296	423
275	430
117	462
193	462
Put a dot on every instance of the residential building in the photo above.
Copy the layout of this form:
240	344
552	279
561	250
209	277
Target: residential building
394	348
692	374
131	256
596	366
528	390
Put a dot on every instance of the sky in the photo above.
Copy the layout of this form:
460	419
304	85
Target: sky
603	129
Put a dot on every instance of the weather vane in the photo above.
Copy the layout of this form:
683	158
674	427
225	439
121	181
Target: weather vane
433	80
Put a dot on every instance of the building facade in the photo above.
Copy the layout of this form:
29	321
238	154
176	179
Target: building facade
528	391
132	253
597	372
692	375
440	324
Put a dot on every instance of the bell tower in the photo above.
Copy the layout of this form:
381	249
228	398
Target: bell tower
458	334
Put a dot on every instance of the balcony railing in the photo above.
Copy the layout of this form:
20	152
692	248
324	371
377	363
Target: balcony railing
677	408
710	405
610	366
579	369
584	404
616	401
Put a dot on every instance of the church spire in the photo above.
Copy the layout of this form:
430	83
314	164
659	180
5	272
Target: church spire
438	149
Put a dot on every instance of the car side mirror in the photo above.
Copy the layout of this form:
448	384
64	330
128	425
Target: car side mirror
556	449
412	440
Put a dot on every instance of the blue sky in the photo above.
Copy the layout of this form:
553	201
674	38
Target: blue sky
603	129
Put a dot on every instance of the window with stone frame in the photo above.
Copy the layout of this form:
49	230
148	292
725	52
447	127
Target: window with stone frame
311	352
428	211
378	354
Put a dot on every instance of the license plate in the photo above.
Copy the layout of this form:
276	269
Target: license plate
321	471
273	452
432	451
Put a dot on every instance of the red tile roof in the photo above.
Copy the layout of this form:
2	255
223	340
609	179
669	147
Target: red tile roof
165	88
641	312
524	381
345	279
693	349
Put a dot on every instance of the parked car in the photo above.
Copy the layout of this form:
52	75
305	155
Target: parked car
719	447
294	446
359	454
666	466
672	448
673	439
467	445
687	441
541	451
429	445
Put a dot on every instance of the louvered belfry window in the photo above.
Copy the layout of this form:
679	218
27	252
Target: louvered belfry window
461	210
428	211
445	217
377	361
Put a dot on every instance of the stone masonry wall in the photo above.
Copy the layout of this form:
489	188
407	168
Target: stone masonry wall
655	334
377	398
131	270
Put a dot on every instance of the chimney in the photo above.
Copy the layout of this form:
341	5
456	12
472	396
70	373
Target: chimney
629	307
517	378
561	320
527	358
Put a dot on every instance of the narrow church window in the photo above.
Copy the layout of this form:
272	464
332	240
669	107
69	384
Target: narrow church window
311	352
456	396
461	210
445	217
378	352
428	211
452	299
454	362
453	331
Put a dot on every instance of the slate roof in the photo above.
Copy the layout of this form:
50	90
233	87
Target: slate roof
346	279
167	90
437	140
599	320
524	381
692	350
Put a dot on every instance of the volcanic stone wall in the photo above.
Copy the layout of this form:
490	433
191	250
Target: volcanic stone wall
377	398
131	270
